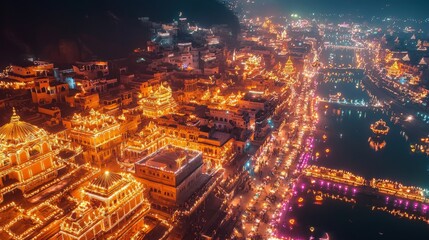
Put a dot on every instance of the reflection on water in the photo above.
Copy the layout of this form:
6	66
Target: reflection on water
376	143
352	144
344	140
334	209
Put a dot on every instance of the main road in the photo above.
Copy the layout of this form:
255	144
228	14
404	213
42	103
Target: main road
289	147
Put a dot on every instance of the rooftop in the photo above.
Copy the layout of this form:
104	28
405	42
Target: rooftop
106	184
169	158
17	132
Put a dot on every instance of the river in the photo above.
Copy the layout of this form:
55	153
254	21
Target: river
344	141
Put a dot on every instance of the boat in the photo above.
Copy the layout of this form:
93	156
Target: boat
380	128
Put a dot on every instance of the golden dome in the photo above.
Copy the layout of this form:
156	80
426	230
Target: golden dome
17	132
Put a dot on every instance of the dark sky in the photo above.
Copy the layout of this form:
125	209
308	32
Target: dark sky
402	8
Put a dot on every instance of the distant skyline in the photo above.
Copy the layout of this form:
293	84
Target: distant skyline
400	8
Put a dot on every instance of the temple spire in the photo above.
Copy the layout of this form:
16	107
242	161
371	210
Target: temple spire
15	117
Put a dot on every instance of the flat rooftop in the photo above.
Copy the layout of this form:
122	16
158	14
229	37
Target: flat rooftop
169	158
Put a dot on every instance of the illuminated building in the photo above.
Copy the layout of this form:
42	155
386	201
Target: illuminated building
159	102
190	90
111	199
227	120
84	100
114	101
380	128
171	174
92	70
98	133
149	140
217	147
45	92
394	70
24	75
289	69
27	157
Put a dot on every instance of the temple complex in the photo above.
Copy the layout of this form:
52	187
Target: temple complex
98	133
394	70
217	147
110	198
27	157
289	69
159	102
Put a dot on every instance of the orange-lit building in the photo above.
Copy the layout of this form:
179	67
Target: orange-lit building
171	174
159	102
92	70
217	147
289	69
99	134
394	70
46	92
28	156
110	199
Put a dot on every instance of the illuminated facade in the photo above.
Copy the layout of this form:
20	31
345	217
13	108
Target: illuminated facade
92	70
289	69
111	198
99	134
44	92
171	174
29	72
380	128
217	147
394	70
26	157
159	102
149	140
84	100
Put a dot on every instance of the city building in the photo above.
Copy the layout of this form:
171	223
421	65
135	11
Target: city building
23	75
92	70
159	102
109	200
28	156
171	174
217	147
84	100
99	134
394	70
46	92
289	69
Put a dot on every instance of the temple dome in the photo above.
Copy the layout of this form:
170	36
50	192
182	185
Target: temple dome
105	184
18	132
